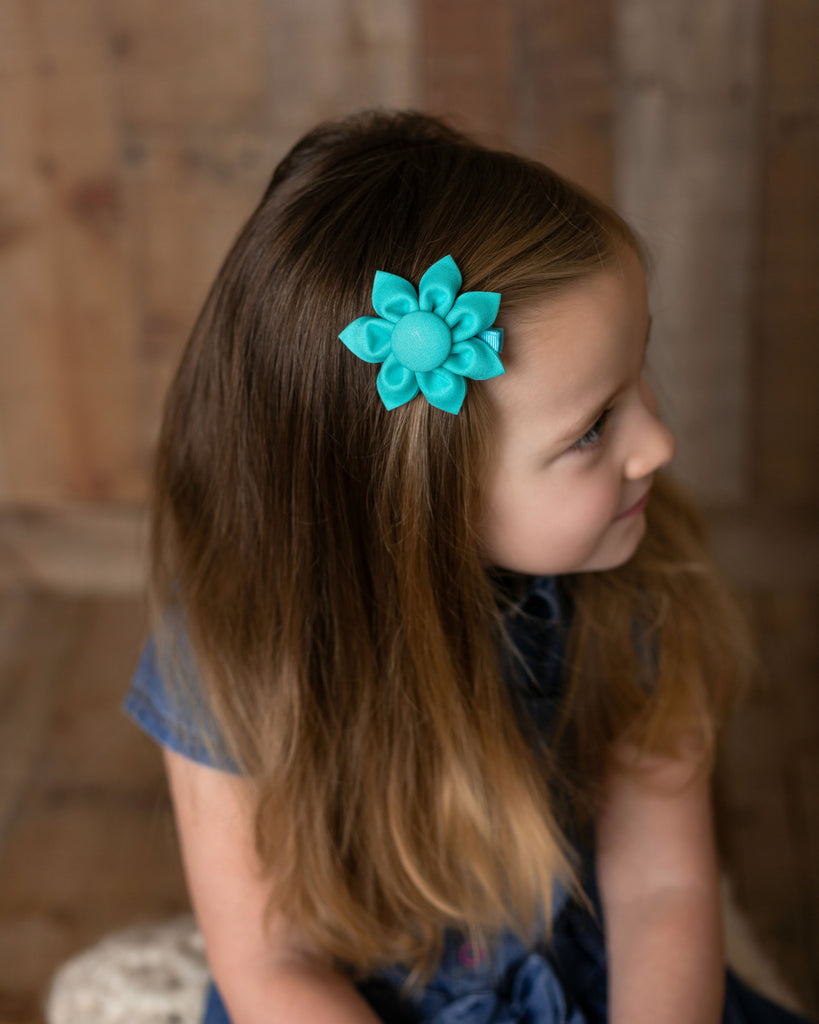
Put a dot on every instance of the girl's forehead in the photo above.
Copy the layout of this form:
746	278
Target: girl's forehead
562	328
622	277
562	352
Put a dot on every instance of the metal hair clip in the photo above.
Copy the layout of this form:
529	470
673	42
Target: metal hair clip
493	337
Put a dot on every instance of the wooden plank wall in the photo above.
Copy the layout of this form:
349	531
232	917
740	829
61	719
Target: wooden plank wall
687	172
534	77
787	302
136	137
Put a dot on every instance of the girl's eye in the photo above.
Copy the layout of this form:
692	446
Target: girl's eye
593	437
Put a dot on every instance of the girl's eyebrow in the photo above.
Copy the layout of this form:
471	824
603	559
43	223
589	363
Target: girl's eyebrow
585	423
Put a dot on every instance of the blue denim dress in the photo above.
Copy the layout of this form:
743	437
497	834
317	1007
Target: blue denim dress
562	981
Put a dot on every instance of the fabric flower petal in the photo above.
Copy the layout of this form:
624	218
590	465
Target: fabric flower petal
393	297
439	286
396	384
368	337
473	358
430	339
472	312
443	389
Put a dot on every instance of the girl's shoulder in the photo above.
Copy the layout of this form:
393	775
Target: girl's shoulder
167	700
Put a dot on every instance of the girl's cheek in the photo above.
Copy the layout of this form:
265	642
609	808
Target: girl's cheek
589	502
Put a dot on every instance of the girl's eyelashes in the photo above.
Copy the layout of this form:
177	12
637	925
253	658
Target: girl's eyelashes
593	437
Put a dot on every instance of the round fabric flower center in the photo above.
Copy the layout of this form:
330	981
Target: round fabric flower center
421	341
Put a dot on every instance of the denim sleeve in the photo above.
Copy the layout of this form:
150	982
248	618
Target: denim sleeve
173	720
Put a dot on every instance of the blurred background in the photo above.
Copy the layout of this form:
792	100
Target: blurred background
135	138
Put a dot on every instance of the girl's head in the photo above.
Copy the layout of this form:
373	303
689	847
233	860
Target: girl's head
396	192
331	556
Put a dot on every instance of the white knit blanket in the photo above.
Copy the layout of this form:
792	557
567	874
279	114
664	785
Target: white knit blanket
148	974
157	974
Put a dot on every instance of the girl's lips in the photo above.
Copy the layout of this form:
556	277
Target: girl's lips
638	507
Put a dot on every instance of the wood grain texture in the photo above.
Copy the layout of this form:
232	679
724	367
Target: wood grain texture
687	169
140	135
466	59
766	793
787	377
562	85
87	842
77	549
93	328
25	696
32	448
531	76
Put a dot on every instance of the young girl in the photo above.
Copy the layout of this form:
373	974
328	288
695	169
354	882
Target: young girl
438	657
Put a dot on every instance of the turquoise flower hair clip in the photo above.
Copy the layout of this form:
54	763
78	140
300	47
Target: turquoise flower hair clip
428	340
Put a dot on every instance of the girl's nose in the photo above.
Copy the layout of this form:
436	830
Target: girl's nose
654	444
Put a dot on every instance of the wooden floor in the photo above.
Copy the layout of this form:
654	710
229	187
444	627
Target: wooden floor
86	836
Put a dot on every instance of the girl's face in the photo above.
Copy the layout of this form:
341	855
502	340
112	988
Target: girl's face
577	434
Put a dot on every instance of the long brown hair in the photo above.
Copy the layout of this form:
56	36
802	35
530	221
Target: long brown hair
323	553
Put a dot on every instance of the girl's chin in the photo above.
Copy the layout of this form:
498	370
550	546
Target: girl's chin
616	555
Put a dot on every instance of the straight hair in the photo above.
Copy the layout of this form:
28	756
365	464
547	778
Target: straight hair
323	553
